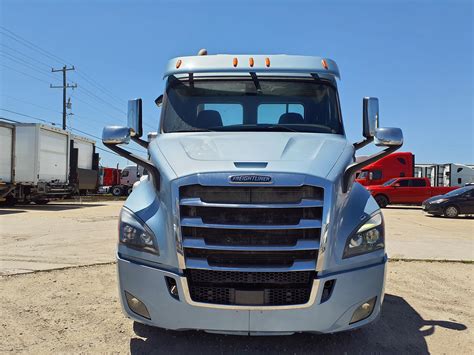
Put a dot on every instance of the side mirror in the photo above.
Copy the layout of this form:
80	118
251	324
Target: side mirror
370	116
159	101
134	117
396	185
116	135
388	137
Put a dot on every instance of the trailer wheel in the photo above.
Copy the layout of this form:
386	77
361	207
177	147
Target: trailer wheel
129	190
117	191
10	201
451	211
41	202
381	200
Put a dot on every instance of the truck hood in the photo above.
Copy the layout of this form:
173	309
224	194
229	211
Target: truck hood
309	153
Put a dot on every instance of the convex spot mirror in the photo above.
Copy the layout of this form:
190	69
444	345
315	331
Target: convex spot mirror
134	117
388	136
370	116
116	135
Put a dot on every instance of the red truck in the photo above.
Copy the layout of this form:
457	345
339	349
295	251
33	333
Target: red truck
109	176
410	191
392	166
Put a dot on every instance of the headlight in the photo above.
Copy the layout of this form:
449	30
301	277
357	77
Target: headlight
134	233
369	237
440	200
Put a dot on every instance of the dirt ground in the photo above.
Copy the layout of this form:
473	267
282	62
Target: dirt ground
428	307
64	234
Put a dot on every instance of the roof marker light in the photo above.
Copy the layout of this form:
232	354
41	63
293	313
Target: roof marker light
178	63
325	64
251	62
235	61
267	62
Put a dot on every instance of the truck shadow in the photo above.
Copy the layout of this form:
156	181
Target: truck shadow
400	329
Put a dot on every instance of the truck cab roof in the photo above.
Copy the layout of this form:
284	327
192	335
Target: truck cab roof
243	64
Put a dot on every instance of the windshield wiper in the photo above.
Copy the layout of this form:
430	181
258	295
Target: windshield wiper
281	128
193	130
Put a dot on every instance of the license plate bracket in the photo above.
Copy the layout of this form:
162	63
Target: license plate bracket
245	297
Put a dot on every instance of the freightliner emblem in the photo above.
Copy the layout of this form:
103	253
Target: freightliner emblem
250	179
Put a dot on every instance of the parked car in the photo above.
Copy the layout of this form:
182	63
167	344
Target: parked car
410	191
452	204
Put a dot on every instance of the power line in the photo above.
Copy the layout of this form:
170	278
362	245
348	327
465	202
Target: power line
25	115
6	32
26	64
30	103
31	45
27	56
21	72
99	87
91	94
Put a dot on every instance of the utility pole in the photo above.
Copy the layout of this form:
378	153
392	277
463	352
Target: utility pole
64	87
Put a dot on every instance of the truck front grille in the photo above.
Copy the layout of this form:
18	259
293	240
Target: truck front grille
250	245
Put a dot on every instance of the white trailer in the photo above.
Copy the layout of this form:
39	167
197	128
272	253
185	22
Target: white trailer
40	156
7	134
84	165
446	174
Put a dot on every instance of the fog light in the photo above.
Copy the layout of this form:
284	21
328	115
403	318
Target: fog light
327	290
363	311
137	306
172	287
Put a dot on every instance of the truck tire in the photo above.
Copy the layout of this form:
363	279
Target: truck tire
10	201
381	200
129	190
451	211
117	191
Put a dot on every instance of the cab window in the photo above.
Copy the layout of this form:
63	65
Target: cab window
403	183
418	183
271	113
230	113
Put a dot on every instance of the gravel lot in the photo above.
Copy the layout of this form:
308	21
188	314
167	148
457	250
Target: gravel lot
69	307
428	308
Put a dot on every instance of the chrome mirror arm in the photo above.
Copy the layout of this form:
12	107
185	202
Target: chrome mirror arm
354	167
139	141
362	144
146	164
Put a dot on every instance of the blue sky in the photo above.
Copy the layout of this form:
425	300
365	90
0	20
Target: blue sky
416	56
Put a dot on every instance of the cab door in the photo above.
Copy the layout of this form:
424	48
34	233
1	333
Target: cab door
418	190
400	192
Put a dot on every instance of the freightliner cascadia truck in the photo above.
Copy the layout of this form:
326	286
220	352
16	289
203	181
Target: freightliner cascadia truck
248	219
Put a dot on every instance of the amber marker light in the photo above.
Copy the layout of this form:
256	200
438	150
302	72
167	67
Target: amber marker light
267	62
178	63
235	61
325	64
251	62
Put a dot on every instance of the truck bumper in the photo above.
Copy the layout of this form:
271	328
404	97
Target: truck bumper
352	289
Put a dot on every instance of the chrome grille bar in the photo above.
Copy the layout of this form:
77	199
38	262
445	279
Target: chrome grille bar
298	265
197	222
199	243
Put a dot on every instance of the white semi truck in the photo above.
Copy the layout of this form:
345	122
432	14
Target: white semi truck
128	177
39	163
248	220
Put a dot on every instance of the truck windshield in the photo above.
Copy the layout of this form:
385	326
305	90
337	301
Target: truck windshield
246	104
